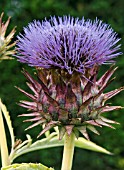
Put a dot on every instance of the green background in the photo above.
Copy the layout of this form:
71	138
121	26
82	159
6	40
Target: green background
25	11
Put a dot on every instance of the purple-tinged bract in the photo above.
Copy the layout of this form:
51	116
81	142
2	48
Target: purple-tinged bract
67	43
74	104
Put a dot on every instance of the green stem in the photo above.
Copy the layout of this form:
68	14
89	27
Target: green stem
69	142
3	144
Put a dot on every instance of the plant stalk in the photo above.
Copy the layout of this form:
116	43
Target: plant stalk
69	142
3	144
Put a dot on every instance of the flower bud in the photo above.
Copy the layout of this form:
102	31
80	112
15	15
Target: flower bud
5	46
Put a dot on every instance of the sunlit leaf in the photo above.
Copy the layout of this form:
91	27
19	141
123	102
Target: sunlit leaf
8	120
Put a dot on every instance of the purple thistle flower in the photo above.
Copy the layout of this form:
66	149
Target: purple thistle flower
67	53
68	43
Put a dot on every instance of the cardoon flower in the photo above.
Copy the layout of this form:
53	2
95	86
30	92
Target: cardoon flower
5	46
67	53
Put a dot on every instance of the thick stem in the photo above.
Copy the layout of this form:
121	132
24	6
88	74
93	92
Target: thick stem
3	144
69	142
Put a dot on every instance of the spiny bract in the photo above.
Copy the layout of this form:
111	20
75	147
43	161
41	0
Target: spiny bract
71	102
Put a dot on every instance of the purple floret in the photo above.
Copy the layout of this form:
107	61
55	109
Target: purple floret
68	43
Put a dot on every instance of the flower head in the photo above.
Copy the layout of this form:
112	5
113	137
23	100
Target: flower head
67	53
66	43
5	46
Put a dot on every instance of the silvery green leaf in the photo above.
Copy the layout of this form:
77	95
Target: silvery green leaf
86	144
55	142
27	166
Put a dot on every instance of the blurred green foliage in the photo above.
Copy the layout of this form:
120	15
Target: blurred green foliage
25	11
